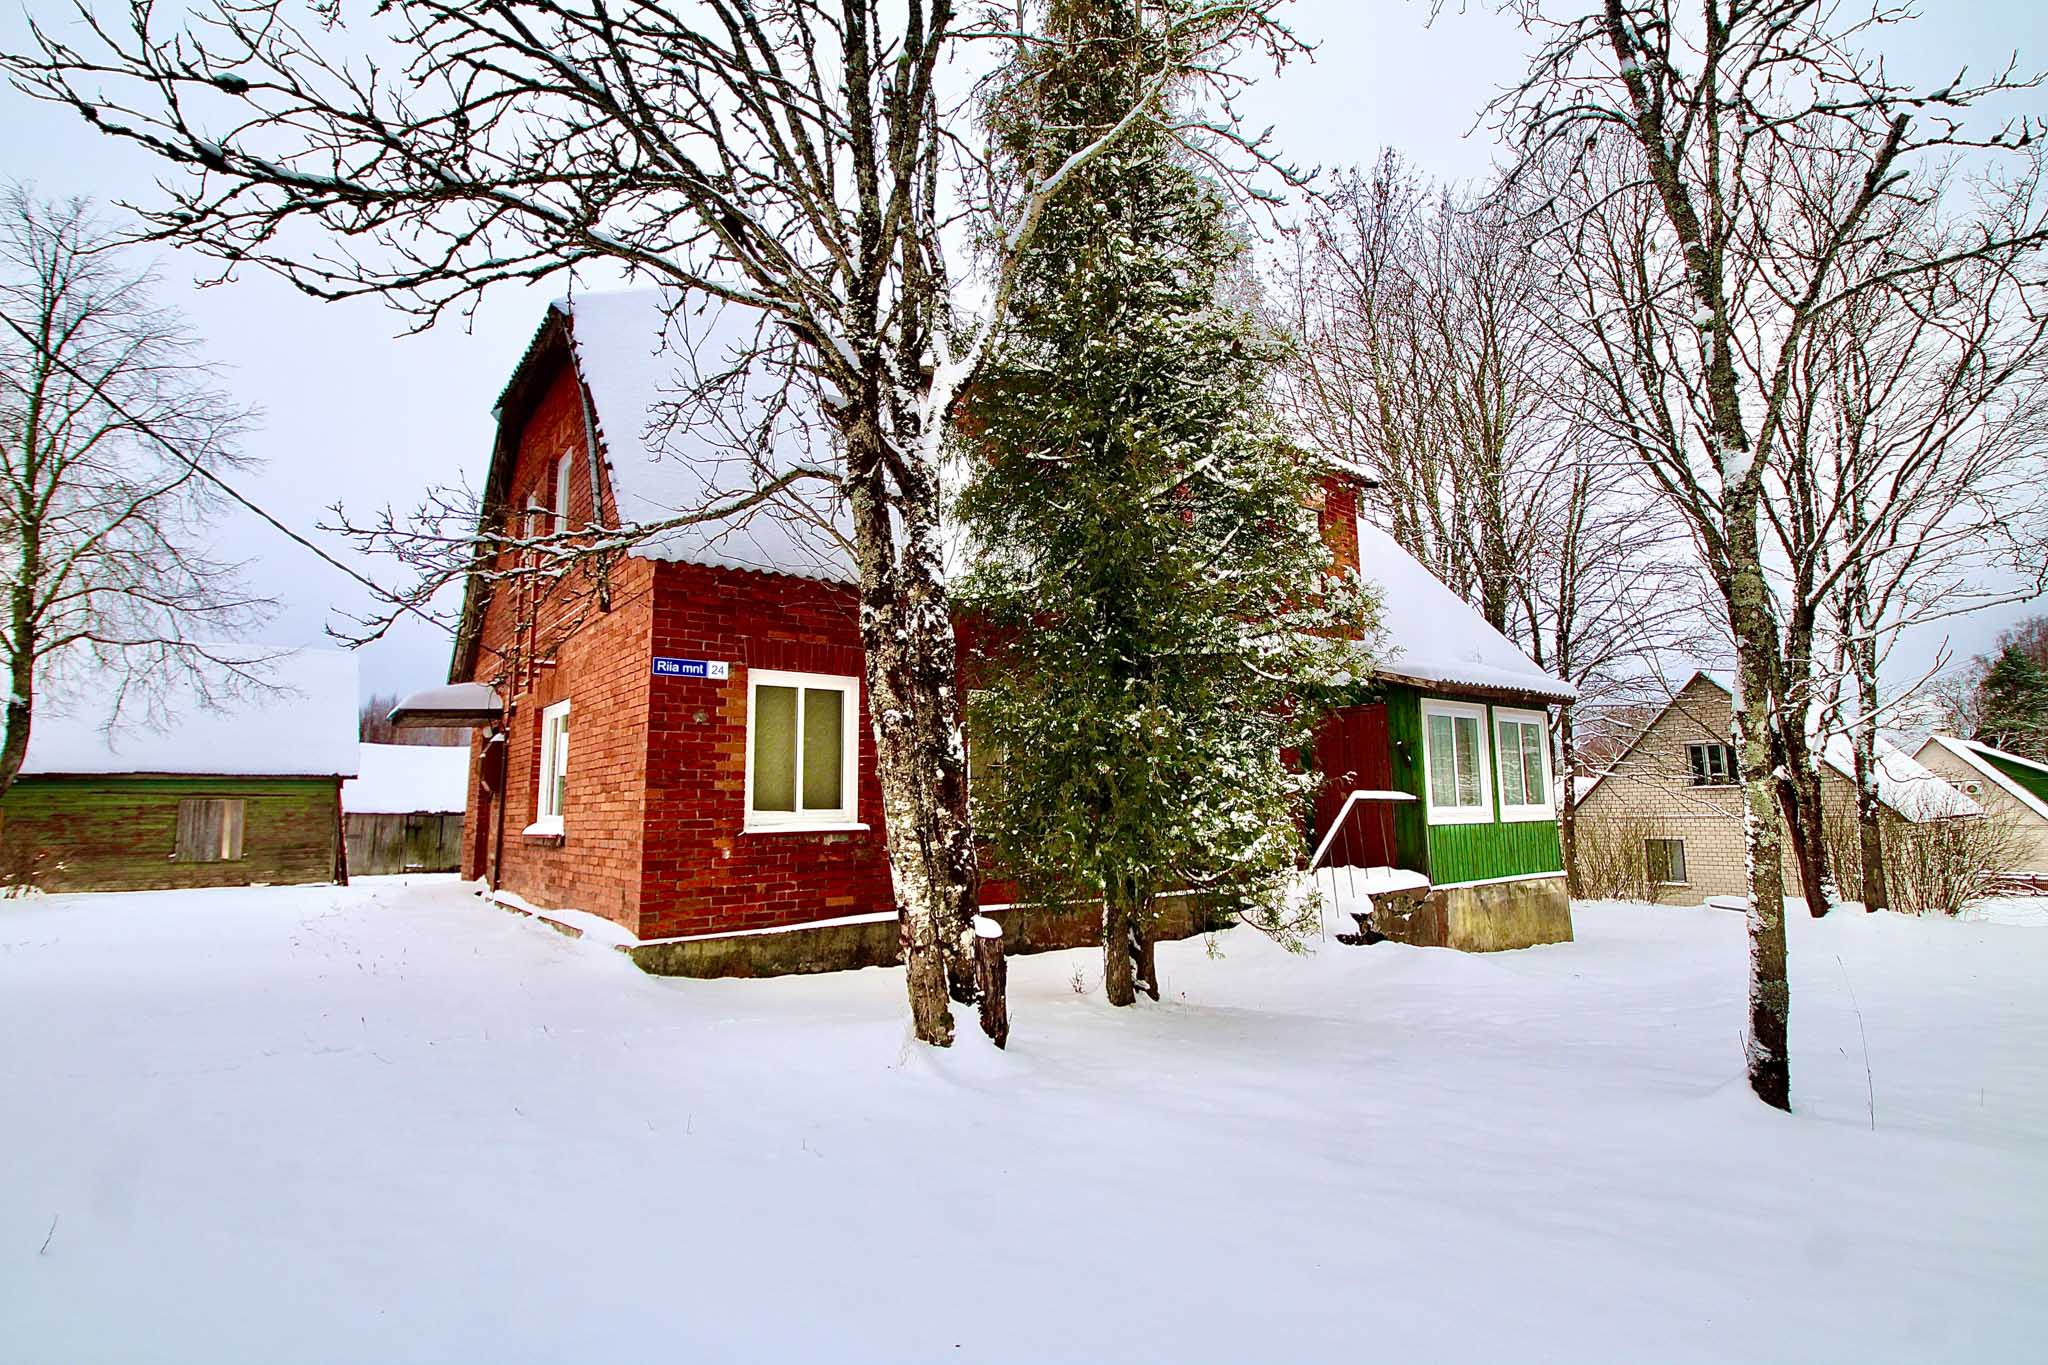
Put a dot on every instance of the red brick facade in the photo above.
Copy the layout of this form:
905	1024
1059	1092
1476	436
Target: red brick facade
653	829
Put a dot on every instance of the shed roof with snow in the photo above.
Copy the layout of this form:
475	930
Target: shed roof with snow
298	720
1434	636
408	779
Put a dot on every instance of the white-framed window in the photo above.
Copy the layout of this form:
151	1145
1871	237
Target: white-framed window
1665	860
1522	740
803	753
563	467
554	770
1454	763
1711	765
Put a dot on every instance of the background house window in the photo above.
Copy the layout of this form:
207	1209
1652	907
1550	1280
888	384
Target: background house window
1666	860
1711	765
1454	744
562	468
209	830
1524	743
554	770
801	752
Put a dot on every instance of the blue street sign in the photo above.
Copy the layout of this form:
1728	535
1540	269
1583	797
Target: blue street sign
716	669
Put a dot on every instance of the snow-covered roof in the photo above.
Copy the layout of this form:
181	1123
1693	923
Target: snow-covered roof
669	458
1435	636
1978	757
408	778
1914	791
300	721
464	703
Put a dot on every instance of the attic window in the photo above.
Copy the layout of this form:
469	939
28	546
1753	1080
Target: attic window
1711	765
563	469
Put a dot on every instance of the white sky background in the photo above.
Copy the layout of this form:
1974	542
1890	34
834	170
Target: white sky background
354	413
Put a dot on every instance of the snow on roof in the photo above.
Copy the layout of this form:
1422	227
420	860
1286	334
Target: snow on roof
1435	636
408	778
1977	756
300	722
669	458
1903	784
450	704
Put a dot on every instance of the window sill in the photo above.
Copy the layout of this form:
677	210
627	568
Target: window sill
543	831
1460	816
820	827
1526	815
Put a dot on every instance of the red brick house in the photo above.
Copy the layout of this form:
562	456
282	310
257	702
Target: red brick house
680	743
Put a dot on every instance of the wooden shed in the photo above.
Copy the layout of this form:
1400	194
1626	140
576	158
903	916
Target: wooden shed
403	808
242	788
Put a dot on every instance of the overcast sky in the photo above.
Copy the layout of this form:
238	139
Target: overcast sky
354	413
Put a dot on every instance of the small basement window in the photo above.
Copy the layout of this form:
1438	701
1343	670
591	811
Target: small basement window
1666	861
554	770
210	830
1454	763
802	756
1711	765
1524	740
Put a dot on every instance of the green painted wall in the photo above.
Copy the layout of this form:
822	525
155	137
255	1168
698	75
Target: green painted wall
2033	779
1458	853
1470	853
120	833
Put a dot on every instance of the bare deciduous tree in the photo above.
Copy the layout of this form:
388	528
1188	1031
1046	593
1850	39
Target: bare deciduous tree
805	160
1710	167
112	442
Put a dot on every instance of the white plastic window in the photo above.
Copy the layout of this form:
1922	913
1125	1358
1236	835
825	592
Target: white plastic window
1523	742
563	467
554	769
802	754
1455	763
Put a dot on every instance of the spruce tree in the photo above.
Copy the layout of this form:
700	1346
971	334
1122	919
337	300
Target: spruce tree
1152	590
2013	705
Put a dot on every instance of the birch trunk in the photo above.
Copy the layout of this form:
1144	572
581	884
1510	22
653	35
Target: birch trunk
1756	652
1869	811
1568	806
907	636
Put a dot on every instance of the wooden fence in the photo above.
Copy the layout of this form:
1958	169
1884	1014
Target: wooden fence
381	843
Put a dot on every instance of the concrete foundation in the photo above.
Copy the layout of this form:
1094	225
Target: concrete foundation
874	943
1487	918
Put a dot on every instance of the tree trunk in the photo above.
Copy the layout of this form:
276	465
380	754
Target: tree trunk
1143	942
907	635
21	662
1799	787
1756	652
1568	805
1119	964
1869	812
992	973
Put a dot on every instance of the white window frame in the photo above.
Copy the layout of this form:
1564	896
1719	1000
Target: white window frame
1541	720
846	815
554	765
564	468
1481	814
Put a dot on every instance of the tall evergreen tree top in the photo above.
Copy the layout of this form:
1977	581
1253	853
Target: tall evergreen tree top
2014	702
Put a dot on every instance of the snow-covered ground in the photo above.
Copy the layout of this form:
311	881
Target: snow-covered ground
386	1123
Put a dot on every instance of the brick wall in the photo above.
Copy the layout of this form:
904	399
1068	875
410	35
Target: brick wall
120	833
704	871
539	648
1653	781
